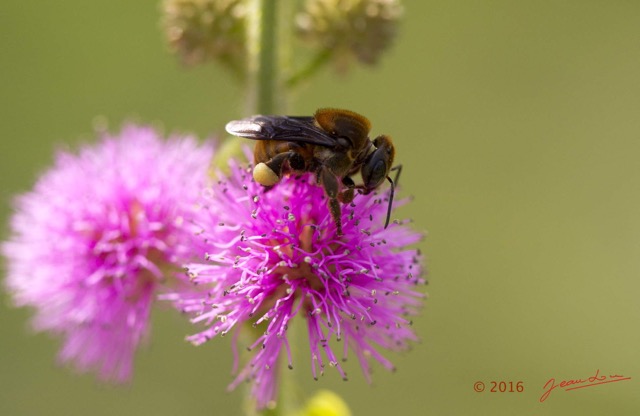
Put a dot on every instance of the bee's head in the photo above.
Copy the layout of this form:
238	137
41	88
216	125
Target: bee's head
376	166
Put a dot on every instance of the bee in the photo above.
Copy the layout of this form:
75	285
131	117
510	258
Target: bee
333	144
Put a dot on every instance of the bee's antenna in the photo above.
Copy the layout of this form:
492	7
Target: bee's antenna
393	183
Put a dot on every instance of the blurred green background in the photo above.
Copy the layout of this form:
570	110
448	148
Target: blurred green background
518	125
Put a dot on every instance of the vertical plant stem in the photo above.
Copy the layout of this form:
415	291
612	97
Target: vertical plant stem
263	82
285	53
268	49
289	400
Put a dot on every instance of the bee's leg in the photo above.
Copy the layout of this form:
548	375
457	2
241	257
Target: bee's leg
399	169
346	196
330	184
393	184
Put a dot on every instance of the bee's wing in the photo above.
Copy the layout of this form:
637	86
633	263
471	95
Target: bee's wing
281	128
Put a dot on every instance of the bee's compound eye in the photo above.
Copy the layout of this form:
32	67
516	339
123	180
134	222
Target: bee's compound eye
374	173
264	175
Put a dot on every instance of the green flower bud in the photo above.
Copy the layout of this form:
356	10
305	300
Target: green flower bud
350	28
203	30
326	403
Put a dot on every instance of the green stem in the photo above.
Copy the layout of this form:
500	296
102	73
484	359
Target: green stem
263	85
268	43
288	402
262	47
316	63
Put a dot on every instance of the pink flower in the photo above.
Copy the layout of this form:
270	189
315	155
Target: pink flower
274	255
96	238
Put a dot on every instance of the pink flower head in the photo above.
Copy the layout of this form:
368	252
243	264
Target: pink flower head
90	245
274	255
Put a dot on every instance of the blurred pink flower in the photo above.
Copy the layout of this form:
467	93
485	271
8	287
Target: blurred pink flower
274	255
101	231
